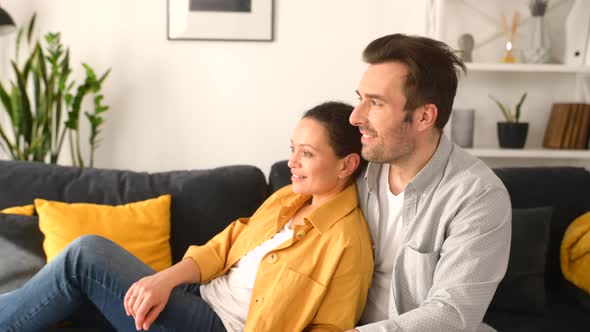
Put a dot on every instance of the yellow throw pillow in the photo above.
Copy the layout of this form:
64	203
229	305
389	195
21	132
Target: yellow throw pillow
142	228
25	210
575	249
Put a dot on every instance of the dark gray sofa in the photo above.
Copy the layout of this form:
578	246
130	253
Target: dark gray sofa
534	296
204	202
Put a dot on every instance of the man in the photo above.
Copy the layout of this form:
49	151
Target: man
439	217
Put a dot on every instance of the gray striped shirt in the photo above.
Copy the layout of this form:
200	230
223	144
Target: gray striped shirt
456	240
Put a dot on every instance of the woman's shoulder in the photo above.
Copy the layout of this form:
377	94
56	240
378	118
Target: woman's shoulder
352	227
352	235
279	195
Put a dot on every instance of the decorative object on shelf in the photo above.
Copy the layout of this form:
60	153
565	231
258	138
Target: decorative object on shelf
221	20
466	44
40	94
512	133
537	50
7	25
462	123
510	36
577	34
568	126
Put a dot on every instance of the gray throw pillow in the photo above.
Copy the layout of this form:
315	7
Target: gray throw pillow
523	288
21	245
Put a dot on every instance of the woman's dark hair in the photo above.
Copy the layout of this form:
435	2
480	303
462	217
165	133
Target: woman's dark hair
433	70
344	138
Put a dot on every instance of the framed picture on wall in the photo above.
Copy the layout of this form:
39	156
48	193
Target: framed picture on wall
243	20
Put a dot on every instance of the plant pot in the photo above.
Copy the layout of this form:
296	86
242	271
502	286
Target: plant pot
512	135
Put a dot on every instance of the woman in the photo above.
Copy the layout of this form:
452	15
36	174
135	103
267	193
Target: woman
302	261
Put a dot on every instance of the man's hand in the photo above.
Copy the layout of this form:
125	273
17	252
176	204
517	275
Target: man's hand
146	299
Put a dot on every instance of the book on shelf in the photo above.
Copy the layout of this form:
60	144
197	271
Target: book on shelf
580	137
572	112
568	126
577	124
584	131
556	126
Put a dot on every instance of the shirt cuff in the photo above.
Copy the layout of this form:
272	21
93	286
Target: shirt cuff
209	263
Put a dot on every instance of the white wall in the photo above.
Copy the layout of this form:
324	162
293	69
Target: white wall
20	11
198	104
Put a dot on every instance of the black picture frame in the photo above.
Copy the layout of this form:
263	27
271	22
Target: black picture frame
220	20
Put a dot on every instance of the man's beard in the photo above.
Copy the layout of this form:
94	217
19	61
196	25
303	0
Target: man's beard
401	150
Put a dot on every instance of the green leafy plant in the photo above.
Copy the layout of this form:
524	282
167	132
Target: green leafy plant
41	95
507	112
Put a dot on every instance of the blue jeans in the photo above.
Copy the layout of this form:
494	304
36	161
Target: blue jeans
96	270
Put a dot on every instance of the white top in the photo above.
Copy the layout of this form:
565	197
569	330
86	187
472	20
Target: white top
229	295
387	235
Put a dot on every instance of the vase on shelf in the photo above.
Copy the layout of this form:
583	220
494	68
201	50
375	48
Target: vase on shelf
538	48
462	124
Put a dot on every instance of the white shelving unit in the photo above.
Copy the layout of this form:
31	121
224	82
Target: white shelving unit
527	68
530	153
544	83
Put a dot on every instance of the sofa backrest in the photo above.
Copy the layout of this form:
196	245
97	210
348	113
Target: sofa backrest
204	202
563	188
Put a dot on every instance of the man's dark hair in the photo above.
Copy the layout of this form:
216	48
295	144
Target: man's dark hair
344	138
433	67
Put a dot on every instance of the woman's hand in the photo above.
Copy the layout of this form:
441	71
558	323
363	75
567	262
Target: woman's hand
146	299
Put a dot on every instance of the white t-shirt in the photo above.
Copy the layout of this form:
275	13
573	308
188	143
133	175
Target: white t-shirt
387	237
229	295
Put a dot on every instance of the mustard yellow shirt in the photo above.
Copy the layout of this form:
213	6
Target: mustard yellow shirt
317	281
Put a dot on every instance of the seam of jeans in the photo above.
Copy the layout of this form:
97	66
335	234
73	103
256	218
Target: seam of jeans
24	319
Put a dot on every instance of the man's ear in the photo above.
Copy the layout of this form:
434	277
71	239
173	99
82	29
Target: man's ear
349	164
427	115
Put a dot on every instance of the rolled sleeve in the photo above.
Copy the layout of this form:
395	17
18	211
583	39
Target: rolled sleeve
208	260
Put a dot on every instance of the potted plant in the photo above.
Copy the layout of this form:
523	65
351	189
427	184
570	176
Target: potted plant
43	103
512	133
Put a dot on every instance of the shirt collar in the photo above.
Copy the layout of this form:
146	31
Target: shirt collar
428	176
330	212
432	172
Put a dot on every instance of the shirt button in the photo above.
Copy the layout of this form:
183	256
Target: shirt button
259	300
272	258
300	235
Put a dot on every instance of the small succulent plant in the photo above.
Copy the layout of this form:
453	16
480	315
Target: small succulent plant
507	112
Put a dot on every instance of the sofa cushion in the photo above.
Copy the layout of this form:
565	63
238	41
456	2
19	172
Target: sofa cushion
21	249
583	298
280	176
142	228
562	314
523	287
564	188
212	200
204	202
575	252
